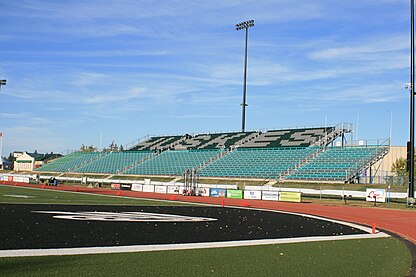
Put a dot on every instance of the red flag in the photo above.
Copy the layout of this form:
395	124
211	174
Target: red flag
1	134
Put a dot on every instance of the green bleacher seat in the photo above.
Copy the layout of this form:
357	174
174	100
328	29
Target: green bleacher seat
115	162
70	162
337	163
174	162
257	162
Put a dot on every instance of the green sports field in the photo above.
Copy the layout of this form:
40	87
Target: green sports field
9	194
369	257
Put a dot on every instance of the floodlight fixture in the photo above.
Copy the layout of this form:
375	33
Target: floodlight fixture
240	26
244	25
2	83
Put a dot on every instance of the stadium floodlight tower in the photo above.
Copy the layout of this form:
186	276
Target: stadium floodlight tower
240	26
2	83
411	87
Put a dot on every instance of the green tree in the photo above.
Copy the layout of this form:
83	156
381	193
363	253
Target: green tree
399	167
11	158
90	148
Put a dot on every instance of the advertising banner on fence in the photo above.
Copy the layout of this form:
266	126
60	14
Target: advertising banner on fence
234	193
115	186
252	194
290	196
378	194
204	191
125	186
148	188
137	187
174	189
161	189
215	192
19	179
270	195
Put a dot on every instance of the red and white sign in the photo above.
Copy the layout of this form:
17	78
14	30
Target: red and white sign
204	191
115	186
378	194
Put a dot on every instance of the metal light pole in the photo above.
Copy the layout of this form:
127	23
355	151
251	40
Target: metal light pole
240	26
412	104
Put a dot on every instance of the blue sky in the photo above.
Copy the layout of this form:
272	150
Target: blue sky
130	68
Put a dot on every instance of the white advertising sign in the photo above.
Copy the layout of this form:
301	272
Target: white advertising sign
161	189
174	190
252	194
20	179
204	191
137	187
378	194
270	195
148	188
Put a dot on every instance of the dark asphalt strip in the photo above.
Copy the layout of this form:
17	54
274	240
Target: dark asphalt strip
23	228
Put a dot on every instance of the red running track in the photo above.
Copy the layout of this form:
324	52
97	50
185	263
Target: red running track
400	222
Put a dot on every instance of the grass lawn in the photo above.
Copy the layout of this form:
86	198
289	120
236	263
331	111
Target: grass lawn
9	194
371	257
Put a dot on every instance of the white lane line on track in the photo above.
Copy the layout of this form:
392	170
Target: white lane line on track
184	246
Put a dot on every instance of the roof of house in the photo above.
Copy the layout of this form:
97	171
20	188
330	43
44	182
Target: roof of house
44	157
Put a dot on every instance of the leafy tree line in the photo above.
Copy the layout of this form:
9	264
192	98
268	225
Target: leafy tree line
113	147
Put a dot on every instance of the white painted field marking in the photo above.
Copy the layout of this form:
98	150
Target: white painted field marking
125	216
18	196
164	247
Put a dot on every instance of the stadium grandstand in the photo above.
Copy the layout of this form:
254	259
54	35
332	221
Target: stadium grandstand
315	154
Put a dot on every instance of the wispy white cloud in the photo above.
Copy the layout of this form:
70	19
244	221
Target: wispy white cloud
89	63
364	50
92	53
196	116
150	18
372	93
25	118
